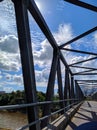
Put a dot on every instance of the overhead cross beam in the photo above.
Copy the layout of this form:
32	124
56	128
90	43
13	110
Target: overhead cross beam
83	4
87	74
87	86
78	51
83	67
88	83
79	37
86	80
93	58
83	72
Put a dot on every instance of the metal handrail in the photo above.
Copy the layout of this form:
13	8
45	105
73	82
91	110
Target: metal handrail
47	116
8	107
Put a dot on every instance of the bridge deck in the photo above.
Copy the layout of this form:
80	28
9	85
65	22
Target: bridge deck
86	113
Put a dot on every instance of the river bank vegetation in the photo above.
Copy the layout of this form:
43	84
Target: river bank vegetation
18	97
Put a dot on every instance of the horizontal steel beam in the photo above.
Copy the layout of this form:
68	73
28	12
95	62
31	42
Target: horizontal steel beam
83	72
83	4
83	67
78	51
87	84
91	83
86	80
79	37
87	74
83	61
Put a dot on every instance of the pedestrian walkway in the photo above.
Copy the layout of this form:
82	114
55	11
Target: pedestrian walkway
86	113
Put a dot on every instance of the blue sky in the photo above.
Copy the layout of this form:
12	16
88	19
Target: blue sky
65	22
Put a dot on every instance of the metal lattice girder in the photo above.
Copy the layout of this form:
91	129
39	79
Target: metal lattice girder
72	87
87	74
86	85
65	63
79	51
93	58
60	86
50	87
79	93
86	81
83	72
89	69
67	91
45	29
26	59
83	67
79	37
66	83
76	90
83	4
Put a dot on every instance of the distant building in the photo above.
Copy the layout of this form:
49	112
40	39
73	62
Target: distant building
2	92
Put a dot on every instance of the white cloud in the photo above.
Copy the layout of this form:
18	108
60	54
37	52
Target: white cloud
7	76
60	5
7	17
9	53
0	76
42	77
8	89
44	56
11	82
9	62
64	33
18	79
9	44
4	87
1	88
95	38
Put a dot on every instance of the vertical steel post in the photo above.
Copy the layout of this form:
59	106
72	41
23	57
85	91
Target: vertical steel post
67	92
76	90
79	92
66	86
72	88
69	89
60	86
26	59
50	87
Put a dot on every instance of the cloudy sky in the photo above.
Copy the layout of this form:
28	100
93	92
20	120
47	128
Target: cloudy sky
64	21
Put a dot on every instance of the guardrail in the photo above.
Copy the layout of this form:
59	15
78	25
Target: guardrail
12	107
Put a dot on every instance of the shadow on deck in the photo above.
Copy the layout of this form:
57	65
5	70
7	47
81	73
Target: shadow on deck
86	113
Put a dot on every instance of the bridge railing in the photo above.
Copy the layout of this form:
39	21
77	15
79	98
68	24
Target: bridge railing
94	96
38	121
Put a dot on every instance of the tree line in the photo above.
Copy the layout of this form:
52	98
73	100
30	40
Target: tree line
18	97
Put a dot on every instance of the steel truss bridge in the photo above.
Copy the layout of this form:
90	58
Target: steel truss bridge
71	93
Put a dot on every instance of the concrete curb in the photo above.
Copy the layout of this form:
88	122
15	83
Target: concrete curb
61	122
